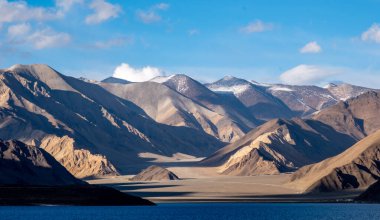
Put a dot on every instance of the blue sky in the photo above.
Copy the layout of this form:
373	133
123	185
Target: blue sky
295	42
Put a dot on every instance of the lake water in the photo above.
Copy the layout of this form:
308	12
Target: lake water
208	211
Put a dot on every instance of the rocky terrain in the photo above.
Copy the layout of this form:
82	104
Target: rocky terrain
235	119
344	91
155	173
21	164
118	127
268	101
31	176
285	145
260	103
170	107
89	130
279	146
303	100
357	117
356	168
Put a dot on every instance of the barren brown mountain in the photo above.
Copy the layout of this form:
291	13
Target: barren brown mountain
21	164
285	145
89	130
262	104
356	168
279	146
155	173
170	107
357	117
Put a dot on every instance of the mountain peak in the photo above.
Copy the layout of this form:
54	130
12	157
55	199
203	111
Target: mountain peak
43	73
229	77
231	81
330	85
30	66
112	79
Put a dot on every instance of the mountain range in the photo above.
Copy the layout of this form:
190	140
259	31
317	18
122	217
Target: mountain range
285	145
89	130
242	127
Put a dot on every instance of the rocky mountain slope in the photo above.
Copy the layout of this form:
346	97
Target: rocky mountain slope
31	176
91	131
357	117
21	164
170	107
155	173
344	91
303	100
356	168
285	145
288	100
279	146
261	104
237	118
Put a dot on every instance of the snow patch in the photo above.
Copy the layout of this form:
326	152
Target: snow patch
238	89
283	89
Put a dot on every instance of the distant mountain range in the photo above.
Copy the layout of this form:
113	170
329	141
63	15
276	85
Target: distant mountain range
286	145
89	130
243	127
288	100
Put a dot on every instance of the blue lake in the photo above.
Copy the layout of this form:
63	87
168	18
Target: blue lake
208	211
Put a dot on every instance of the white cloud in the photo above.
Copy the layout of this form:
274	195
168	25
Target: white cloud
151	15
47	38
103	11
39	39
19	11
66	5
18	30
311	47
257	26
162	6
308	74
148	16
125	71
372	34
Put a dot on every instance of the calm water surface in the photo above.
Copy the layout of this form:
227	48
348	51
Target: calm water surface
198	211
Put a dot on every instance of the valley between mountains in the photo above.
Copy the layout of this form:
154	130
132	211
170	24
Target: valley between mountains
173	138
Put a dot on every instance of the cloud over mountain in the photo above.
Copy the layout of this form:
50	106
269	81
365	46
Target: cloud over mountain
308	74
125	71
